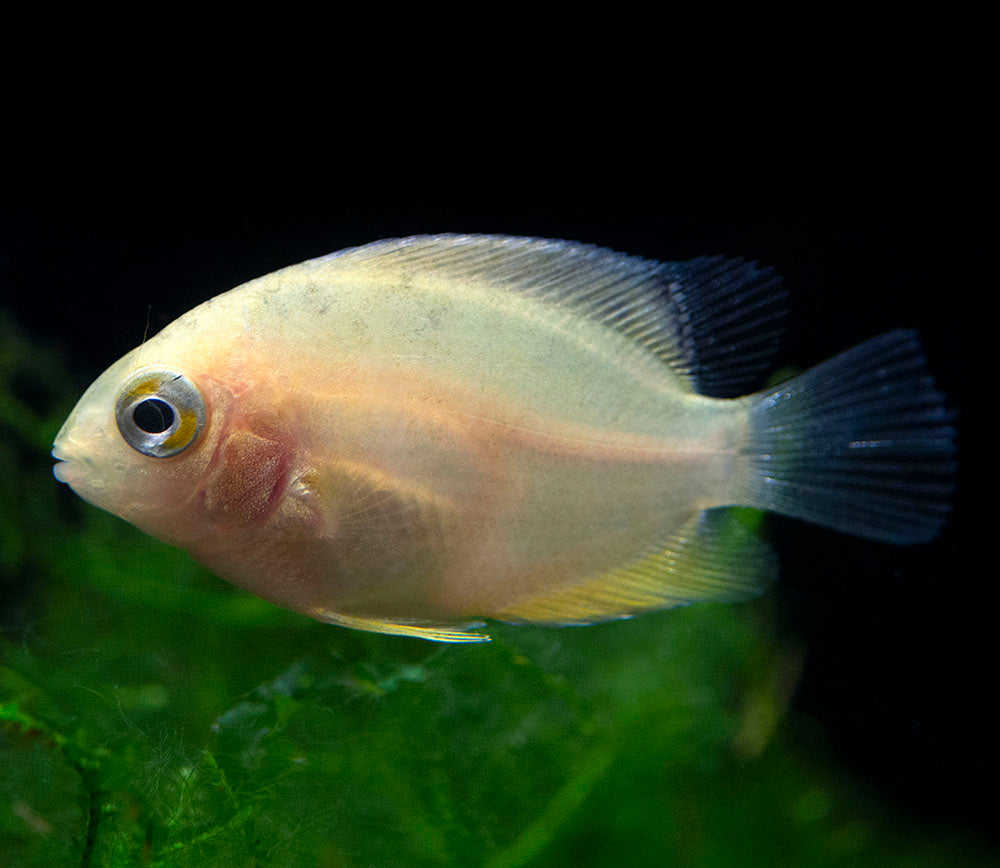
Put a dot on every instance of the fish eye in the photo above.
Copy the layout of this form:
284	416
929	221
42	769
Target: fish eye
160	413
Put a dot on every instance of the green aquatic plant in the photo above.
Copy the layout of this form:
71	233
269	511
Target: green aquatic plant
153	715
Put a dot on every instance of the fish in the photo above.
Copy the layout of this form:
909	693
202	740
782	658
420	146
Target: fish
414	435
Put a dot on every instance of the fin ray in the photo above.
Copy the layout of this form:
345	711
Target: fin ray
715	321
714	556
414	629
862	443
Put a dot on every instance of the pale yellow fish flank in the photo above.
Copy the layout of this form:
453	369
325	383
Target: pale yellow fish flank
410	436
531	430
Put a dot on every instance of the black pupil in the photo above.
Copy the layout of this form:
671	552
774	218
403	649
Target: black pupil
153	415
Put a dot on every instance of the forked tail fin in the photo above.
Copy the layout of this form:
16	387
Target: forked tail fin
862	443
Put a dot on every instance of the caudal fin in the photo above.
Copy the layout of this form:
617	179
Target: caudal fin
861	443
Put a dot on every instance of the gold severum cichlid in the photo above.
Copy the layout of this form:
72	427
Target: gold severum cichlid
408	435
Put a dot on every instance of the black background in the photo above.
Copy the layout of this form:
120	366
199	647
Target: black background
901	650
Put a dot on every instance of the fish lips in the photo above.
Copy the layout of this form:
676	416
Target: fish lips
62	469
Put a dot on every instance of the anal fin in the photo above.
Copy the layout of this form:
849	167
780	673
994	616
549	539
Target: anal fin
430	632
714	556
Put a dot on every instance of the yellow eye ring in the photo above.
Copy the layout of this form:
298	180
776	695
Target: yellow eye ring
159	412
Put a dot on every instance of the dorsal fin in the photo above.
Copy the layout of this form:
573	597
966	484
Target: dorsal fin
715	556
715	321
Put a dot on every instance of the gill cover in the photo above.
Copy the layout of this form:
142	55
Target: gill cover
160	412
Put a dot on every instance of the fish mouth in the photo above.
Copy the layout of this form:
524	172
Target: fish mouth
62	466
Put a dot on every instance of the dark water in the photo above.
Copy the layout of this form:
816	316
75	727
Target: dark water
889	653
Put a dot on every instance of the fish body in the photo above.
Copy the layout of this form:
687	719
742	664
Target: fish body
404	436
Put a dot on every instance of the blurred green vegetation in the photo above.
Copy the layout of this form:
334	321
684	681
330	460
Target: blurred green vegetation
152	715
